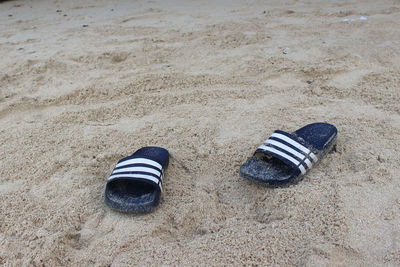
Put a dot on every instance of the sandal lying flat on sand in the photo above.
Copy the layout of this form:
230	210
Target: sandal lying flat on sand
135	185
285	158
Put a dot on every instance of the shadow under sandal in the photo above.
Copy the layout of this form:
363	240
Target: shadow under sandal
135	185
285	158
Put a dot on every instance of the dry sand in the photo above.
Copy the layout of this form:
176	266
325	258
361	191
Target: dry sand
209	81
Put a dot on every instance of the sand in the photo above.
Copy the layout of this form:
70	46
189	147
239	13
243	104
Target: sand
85	83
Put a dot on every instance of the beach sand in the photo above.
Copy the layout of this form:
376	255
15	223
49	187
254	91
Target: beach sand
85	83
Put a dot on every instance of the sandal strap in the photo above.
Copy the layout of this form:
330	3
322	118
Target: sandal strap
138	168
290	149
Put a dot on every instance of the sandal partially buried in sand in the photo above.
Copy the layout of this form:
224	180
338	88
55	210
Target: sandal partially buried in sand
135	185
285	158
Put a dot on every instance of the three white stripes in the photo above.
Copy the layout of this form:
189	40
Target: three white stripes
286	148
118	173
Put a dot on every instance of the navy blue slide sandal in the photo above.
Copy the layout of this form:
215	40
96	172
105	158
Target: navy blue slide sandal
285	158
135	185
